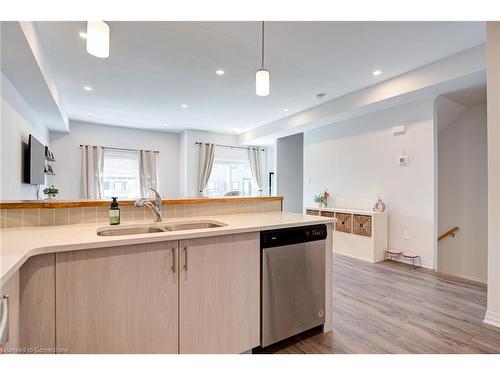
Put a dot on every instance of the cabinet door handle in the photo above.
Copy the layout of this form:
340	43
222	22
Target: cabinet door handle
173	261
4	322
185	257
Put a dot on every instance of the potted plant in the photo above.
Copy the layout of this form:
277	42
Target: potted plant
51	192
322	199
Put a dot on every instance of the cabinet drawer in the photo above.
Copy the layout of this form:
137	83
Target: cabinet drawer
328	213
362	225
312	212
344	222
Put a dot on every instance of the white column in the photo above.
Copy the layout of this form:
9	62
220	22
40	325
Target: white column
493	81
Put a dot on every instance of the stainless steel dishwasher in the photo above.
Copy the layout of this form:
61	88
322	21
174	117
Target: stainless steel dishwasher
292	281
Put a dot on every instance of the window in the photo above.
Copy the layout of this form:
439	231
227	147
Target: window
121	174
229	175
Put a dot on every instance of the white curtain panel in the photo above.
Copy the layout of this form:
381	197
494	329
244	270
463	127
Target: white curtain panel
147	172
256	166
92	166
207	154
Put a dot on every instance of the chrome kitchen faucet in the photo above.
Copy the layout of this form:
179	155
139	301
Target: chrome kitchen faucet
156	208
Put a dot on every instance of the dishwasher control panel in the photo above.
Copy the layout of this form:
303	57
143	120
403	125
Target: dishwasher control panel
288	236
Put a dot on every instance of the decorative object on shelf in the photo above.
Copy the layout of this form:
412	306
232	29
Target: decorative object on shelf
49	170
322	199
51	192
49	156
379	206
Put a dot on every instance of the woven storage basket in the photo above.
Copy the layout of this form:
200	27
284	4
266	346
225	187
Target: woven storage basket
344	222
362	225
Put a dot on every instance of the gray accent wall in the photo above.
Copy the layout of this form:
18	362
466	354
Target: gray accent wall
290	171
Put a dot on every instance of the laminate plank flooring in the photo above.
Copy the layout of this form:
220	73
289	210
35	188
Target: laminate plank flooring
390	308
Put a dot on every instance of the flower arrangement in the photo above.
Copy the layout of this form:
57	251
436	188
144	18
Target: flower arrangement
322	198
51	191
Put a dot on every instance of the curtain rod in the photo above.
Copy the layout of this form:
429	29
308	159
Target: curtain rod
122	149
231	146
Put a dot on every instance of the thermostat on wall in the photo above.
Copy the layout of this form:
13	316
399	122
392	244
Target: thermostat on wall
403	159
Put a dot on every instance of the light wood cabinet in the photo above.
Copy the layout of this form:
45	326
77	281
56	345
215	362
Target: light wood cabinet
220	294
191	296
118	300
31	301
37	304
11	290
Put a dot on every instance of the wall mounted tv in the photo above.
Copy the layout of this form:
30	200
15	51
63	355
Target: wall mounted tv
35	162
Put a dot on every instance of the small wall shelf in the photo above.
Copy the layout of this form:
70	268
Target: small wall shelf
360	234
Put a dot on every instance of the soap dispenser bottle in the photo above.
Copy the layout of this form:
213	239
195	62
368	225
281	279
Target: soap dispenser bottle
114	212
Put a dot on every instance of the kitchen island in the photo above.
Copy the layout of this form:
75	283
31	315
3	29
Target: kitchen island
185	291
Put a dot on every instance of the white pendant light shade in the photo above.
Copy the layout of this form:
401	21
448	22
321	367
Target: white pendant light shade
98	38
262	82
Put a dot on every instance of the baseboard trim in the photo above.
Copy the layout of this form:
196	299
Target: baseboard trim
492	318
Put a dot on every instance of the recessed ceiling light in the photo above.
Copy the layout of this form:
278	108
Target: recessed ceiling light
377	72
184	105
82	35
87	88
285	109
90	113
219	72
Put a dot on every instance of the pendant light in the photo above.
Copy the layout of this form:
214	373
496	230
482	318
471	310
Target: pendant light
98	38
262	79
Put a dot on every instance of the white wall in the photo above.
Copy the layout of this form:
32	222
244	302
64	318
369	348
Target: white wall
493	77
289	171
357	159
463	191
18	121
189	157
66	148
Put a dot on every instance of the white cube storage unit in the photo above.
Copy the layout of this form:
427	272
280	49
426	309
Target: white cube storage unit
360	234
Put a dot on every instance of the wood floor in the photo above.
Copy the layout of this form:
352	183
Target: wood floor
391	308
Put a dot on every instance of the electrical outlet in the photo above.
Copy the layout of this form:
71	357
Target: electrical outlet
406	234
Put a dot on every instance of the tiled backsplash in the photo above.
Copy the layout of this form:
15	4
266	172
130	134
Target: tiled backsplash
15	218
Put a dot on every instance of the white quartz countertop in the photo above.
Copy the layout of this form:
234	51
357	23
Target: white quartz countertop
18	244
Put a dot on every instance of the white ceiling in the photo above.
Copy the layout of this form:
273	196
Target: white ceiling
21	68
154	67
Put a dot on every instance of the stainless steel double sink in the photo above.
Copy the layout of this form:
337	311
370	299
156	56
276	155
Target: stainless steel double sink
158	227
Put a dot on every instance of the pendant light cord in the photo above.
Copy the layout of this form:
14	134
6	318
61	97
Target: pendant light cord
262	44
